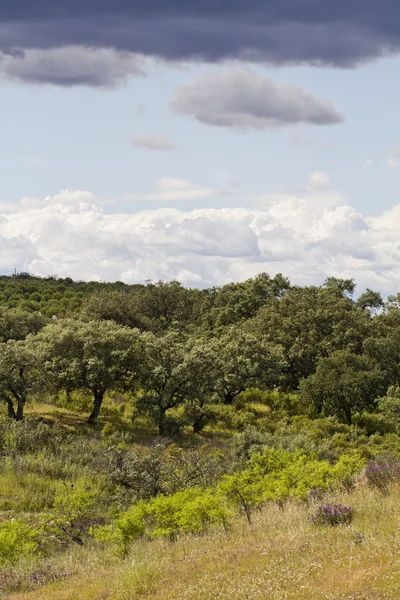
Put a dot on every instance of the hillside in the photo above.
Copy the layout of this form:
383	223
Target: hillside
280	556
164	442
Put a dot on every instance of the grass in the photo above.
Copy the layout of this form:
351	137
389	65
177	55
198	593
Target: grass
280	556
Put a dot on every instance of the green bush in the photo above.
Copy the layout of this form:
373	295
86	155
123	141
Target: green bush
389	406
29	435
77	508
279	474
190	511
230	417
17	541
272	475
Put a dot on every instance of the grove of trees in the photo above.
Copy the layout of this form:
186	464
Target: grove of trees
174	347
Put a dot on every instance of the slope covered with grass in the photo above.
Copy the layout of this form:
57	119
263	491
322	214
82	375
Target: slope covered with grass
280	555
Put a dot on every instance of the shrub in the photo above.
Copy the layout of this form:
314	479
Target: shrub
17	540
190	511
29	435
332	514
389	406
278	474
383	471
194	467
77	508
138	472
172	426
230	418
249	442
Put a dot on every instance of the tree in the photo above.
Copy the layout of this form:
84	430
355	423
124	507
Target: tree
202	366
345	288
169	304
236	302
383	343
311	323
97	355
343	384
242	360
389	406
123	307
17	324
19	376
370	301
163	376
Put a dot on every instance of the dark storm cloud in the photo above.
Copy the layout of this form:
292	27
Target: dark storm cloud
241	99
341	32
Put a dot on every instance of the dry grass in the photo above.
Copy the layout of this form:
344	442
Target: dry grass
281	556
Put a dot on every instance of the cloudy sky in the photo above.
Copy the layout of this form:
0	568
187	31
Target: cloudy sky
201	141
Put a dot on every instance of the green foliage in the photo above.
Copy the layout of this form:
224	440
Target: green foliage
310	323
17	324
279	474
17	540
229	417
237	302
244	359
96	356
77	508
190	511
389	406
163	376
19	375
125	307
343	384
273	475
50	295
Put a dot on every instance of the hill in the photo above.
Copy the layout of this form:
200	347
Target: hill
164	442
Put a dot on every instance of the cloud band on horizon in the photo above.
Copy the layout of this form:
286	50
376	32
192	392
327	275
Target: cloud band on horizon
306	237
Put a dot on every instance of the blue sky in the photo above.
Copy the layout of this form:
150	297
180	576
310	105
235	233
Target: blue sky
159	156
80	138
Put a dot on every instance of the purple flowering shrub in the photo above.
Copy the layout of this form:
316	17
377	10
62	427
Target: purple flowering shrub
382	472
332	514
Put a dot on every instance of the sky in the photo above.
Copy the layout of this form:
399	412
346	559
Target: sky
204	142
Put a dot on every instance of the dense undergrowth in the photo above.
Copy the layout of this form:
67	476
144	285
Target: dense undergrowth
65	486
282	554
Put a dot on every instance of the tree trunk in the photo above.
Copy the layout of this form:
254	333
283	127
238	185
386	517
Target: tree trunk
10	408
161	420
199	423
229	397
347	413
20	410
98	400
245	507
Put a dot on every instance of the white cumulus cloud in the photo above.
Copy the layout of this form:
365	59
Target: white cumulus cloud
70	234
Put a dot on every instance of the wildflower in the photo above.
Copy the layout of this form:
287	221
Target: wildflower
332	514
